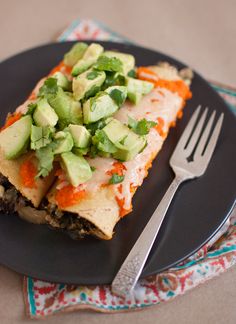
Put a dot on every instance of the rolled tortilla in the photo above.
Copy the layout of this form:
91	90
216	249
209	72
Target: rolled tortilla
104	204
100	209
11	170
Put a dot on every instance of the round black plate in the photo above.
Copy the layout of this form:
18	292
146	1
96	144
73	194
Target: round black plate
199	209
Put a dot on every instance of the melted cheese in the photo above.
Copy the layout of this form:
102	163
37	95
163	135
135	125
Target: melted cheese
159	103
100	176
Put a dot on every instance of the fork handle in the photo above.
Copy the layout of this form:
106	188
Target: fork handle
129	273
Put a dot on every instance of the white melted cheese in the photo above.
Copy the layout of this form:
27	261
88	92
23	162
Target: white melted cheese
100	176
159	103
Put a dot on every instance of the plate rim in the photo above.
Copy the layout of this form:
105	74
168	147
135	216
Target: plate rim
178	62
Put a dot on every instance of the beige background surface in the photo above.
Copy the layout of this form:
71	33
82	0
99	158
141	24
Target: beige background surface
200	33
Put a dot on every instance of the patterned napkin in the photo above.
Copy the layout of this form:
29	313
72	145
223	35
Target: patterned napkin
44	298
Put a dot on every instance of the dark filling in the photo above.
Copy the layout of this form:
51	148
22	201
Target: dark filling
11	197
76	227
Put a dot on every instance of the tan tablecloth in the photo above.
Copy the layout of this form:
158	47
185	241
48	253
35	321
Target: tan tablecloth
200	33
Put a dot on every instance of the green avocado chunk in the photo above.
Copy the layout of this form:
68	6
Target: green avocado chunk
63	142
80	151
118	94
67	109
40	136
131	146
76	167
137	88
128	143
15	138
98	107
115	130
76	53
128	60
44	114
62	80
89	58
80	135
86	81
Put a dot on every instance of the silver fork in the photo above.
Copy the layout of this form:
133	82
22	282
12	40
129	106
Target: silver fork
192	142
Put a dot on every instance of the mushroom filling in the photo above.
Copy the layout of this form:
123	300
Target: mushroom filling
12	201
76	227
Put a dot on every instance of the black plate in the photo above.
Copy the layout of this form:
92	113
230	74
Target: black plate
199	208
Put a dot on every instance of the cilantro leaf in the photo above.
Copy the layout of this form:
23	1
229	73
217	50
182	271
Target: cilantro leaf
92	75
141	127
92	168
40	136
95	126
93	152
31	108
49	88
80	151
45	158
102	142
118	96
111	79
116	178
91	92
112	64
120	80
131	74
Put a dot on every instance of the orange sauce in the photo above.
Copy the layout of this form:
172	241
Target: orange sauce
68	196
178	86
61	67
118	168
28	171
11	119
159	126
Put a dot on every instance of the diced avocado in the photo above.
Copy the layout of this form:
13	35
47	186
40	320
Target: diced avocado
68	110
40	136
63	143
102	142
89	58
98	107
59	135
80	135
116	131
130	147
128	60
80	151
44	114
118	94
137	88
128	144
62	80
76	116
104	154
76	53
76	167
15	138
86	81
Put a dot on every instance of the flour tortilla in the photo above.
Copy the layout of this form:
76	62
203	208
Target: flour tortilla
11	170
100	209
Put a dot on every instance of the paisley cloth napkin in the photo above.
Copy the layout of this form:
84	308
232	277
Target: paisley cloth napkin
44	298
